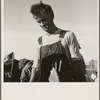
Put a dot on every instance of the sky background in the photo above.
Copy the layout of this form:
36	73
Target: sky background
21	30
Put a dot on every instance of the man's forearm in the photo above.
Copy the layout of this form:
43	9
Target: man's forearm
32	77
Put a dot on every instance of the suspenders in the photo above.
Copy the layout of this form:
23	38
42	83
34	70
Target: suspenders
68	55
67	52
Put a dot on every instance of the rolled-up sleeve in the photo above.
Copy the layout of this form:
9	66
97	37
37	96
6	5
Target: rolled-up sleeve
73	44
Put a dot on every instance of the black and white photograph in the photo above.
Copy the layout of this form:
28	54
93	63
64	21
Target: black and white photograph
50	42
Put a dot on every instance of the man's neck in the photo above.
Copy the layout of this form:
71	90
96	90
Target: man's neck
52	29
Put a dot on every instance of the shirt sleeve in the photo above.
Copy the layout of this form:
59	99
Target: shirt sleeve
73	44
36	52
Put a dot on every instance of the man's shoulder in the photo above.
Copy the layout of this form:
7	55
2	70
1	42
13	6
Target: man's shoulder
69	33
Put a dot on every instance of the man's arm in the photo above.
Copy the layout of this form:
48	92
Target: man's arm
33	72
36	63
73	44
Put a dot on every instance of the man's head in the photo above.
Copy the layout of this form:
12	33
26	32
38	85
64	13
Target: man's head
41	9
43	14
23	62
8	58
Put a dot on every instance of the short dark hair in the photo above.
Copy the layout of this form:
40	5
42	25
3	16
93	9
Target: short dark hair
41	8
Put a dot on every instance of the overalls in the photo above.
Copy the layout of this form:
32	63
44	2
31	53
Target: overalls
51	54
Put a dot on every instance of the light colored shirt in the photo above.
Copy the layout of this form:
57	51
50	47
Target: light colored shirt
69	39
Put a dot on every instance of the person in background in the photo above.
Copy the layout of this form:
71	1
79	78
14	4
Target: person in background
11	68
25	67
57	48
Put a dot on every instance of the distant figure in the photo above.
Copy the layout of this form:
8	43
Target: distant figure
11	69
58	49
25	66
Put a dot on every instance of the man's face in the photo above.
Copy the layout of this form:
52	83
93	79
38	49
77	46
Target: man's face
44	21
7	60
